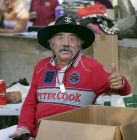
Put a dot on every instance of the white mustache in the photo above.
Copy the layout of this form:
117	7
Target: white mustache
65	48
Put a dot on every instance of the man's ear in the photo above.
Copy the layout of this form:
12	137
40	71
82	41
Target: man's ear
50	44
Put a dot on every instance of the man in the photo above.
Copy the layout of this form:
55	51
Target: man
67	80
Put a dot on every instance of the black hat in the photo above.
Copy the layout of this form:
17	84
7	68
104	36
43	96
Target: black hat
68	24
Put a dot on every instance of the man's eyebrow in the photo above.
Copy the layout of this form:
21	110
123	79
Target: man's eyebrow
73	34
58	34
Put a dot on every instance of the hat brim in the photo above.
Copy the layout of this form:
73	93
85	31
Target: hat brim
84	33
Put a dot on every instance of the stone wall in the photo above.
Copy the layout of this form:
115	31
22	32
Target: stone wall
18	57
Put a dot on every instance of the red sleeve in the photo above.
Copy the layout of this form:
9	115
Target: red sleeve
103	75
27	118
126	89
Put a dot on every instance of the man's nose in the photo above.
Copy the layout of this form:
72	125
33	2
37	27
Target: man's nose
66	40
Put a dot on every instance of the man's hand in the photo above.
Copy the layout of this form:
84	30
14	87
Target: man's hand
17	133
116	79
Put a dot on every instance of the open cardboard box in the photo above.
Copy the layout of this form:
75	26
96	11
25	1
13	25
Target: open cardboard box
93	122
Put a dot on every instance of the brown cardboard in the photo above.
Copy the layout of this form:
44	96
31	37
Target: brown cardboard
92	122
105	50
129	131
55	130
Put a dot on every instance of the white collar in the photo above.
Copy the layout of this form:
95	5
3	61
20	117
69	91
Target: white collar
76	61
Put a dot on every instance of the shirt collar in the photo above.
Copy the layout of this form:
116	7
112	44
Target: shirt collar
76	61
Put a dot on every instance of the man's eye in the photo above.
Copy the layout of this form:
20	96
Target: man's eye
73	38
59	38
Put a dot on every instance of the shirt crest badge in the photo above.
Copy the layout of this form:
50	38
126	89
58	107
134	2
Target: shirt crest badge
74	77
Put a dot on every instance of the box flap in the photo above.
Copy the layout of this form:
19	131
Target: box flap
57	130
116	116
77	115
129	131
98	114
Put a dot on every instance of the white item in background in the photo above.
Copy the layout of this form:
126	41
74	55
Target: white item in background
4	133
102	98
134	3
115	100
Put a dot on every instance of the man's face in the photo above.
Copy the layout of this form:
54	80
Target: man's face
65	46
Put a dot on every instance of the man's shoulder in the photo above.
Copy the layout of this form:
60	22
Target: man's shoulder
88	58
43	61
91	62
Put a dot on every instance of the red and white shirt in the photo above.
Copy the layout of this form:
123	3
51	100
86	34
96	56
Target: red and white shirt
84	80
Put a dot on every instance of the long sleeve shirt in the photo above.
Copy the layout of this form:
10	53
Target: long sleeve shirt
83	81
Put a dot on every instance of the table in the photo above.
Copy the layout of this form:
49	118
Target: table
10	109
9	114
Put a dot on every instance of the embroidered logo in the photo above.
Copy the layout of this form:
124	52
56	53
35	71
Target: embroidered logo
68	19
74	77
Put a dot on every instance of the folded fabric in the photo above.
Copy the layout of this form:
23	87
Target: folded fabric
97	8
95	28
100	24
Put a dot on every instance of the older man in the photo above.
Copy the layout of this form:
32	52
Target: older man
67	80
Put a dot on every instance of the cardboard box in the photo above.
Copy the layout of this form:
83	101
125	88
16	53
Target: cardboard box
93	122
105	50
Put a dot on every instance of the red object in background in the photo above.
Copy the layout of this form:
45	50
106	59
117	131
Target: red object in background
3	99
97	8
45	10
